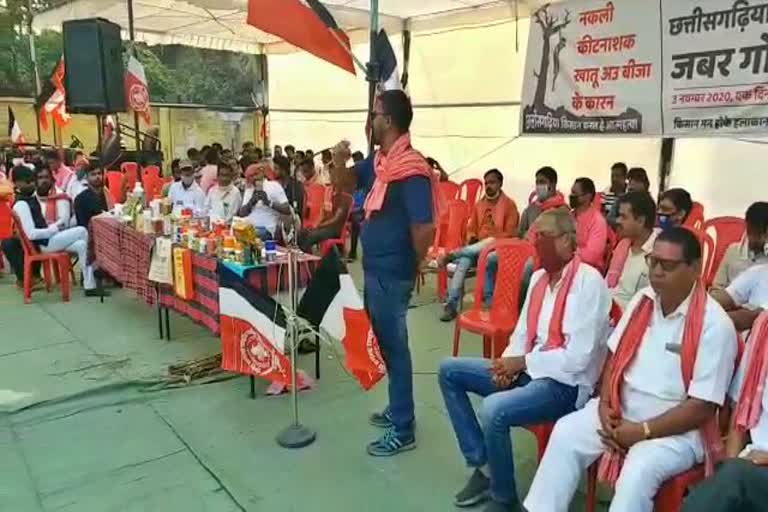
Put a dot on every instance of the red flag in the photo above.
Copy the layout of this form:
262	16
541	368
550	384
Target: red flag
137	90
55	99
363	357
311	28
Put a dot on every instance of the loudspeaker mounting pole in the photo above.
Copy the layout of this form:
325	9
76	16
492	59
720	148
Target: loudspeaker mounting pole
132	35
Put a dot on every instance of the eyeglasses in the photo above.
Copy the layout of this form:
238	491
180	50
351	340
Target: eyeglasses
666	265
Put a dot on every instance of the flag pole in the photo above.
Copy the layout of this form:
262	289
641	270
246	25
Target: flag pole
33	56
294	435
372	70
132	35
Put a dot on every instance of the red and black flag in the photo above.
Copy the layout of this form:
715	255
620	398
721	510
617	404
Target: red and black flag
306	24
14	129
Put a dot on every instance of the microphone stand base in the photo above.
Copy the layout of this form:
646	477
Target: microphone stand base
296	436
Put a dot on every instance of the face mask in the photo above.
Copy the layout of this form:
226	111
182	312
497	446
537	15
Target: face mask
542	192
492	196
665	222
187	180
573	201
547	252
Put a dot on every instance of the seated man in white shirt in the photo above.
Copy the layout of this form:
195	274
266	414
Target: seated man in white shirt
628	271
264	201
746	297
55	204
750	251
741	482
547	371
186	193
671	362
56	237
224	199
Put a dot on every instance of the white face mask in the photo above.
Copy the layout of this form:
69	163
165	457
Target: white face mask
187	180
542	192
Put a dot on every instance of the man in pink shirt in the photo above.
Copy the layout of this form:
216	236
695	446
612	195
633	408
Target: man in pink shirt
591	226
209	173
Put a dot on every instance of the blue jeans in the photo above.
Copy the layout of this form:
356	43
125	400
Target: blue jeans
386	300
465	259
528	402
490	280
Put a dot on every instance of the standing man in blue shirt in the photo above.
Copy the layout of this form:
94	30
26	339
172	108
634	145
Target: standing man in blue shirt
400	209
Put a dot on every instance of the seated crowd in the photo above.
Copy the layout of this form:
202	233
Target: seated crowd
621	349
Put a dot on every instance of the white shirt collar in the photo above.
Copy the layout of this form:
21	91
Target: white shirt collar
682	309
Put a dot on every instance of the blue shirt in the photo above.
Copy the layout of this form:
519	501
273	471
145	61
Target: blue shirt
386	236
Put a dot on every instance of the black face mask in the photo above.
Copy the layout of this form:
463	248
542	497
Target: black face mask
573	201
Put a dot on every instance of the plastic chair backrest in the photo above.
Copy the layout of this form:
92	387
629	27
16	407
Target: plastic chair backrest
707	251
513	255
453	233
153	187
695	219
30	249
314	203
725	231
450	190
131	172
150	170
471	190
115	185
6	219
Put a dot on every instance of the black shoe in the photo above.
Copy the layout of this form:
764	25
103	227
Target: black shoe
495	506
449	314
97	292
476	491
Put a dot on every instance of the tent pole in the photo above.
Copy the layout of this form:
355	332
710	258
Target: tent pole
372	69
665	162
406	52
33	57
132	35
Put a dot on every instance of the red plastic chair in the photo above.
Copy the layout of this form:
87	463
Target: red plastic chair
313	209
725	231
341	242
153	187
707	251
32	255
149	171
450	190
497	324
542	431
115	185
695	219
130	172
471	190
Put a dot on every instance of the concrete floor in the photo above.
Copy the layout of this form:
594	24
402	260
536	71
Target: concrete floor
87	424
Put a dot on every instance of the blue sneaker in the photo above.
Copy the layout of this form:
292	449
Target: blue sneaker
381	419
391	444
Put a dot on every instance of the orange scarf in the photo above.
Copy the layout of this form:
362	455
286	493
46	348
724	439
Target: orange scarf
51	200
62	177
555	338
556	201
618	260
611	462
401	162
750	405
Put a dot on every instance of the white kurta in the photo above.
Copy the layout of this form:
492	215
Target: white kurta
750	288
653	384
223	204
585	327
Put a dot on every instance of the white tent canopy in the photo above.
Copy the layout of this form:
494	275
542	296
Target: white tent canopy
221	24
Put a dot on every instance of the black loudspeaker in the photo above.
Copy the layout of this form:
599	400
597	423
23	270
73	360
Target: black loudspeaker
93	58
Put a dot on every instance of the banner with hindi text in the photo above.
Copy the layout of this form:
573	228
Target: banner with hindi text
593	67
716	67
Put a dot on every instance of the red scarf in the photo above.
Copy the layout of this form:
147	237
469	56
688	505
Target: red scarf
618	260
51	200
401	162
556	201
611	462
62	177
750	405
555	338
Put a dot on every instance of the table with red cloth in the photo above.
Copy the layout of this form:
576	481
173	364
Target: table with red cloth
125	254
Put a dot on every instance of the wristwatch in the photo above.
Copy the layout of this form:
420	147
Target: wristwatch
646	430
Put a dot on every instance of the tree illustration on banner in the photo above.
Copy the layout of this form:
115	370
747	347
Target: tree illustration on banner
550	26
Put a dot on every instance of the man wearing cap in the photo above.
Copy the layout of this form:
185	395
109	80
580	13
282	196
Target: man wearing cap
186	193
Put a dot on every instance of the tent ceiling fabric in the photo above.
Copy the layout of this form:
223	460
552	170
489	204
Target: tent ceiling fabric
220	24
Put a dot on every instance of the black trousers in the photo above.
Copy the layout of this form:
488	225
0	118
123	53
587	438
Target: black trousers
15	256
310	237
738	485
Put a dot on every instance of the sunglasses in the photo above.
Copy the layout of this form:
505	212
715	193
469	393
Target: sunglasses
666	265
